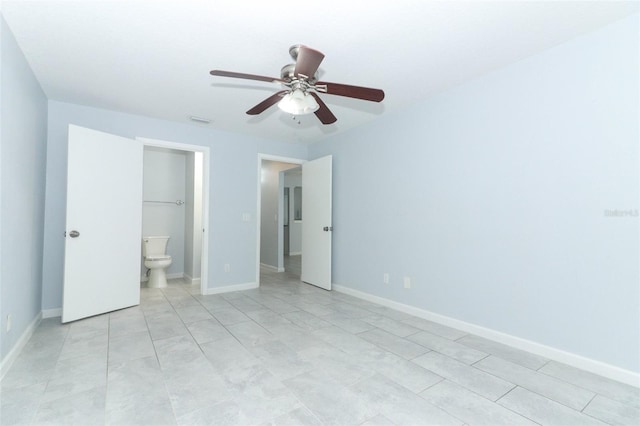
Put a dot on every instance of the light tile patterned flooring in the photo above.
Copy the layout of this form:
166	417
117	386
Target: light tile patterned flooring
290	354
293	264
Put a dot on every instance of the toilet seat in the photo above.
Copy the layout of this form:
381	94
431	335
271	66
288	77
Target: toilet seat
157	257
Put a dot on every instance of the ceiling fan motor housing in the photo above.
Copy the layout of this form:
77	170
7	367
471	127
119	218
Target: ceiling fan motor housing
293	51
287	73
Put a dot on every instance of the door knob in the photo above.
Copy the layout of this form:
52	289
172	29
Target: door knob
74	234
327	228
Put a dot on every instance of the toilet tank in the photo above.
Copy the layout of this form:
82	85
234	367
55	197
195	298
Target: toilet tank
154	245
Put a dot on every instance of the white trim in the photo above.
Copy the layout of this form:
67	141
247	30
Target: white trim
267	157
204	272
190	280
295	253
230	288
559	355
271	267
8	360
144	278
51	313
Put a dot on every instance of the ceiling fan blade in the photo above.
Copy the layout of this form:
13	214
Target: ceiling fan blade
308	61
364	93
271	100
323	113
245	76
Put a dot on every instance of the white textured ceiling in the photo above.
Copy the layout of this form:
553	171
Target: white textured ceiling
153	57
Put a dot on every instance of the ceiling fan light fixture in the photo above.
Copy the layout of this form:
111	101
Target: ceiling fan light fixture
298	102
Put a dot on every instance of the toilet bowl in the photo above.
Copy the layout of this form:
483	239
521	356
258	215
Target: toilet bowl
156	259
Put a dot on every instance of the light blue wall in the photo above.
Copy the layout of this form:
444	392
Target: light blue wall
233	188
491	196
24	135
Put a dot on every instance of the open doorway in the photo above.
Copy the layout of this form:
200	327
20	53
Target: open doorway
316	224
277	223
176	205
291	254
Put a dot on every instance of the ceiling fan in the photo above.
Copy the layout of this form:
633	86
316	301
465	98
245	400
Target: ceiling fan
301	82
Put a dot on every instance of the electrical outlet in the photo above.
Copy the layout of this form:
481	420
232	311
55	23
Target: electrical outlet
385	278
9	322
407	282
227	267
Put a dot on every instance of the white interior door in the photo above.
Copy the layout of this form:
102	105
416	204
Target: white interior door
316	222
104	224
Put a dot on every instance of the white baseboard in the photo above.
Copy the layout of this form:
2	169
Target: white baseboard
175	275
8	360
51	313
230	288
295	253
271	267
144	278
559	355
190	280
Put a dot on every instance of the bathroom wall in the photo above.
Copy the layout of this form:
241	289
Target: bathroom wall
164	180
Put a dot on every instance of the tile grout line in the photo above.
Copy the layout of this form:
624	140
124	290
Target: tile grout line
596	393
513	411
590	401
551	377
106	378
164	381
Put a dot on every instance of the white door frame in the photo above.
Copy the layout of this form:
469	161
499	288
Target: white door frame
205	198
267	157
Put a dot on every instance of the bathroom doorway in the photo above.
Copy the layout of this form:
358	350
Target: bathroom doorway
175	192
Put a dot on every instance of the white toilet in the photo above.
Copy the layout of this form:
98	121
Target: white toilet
156	259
